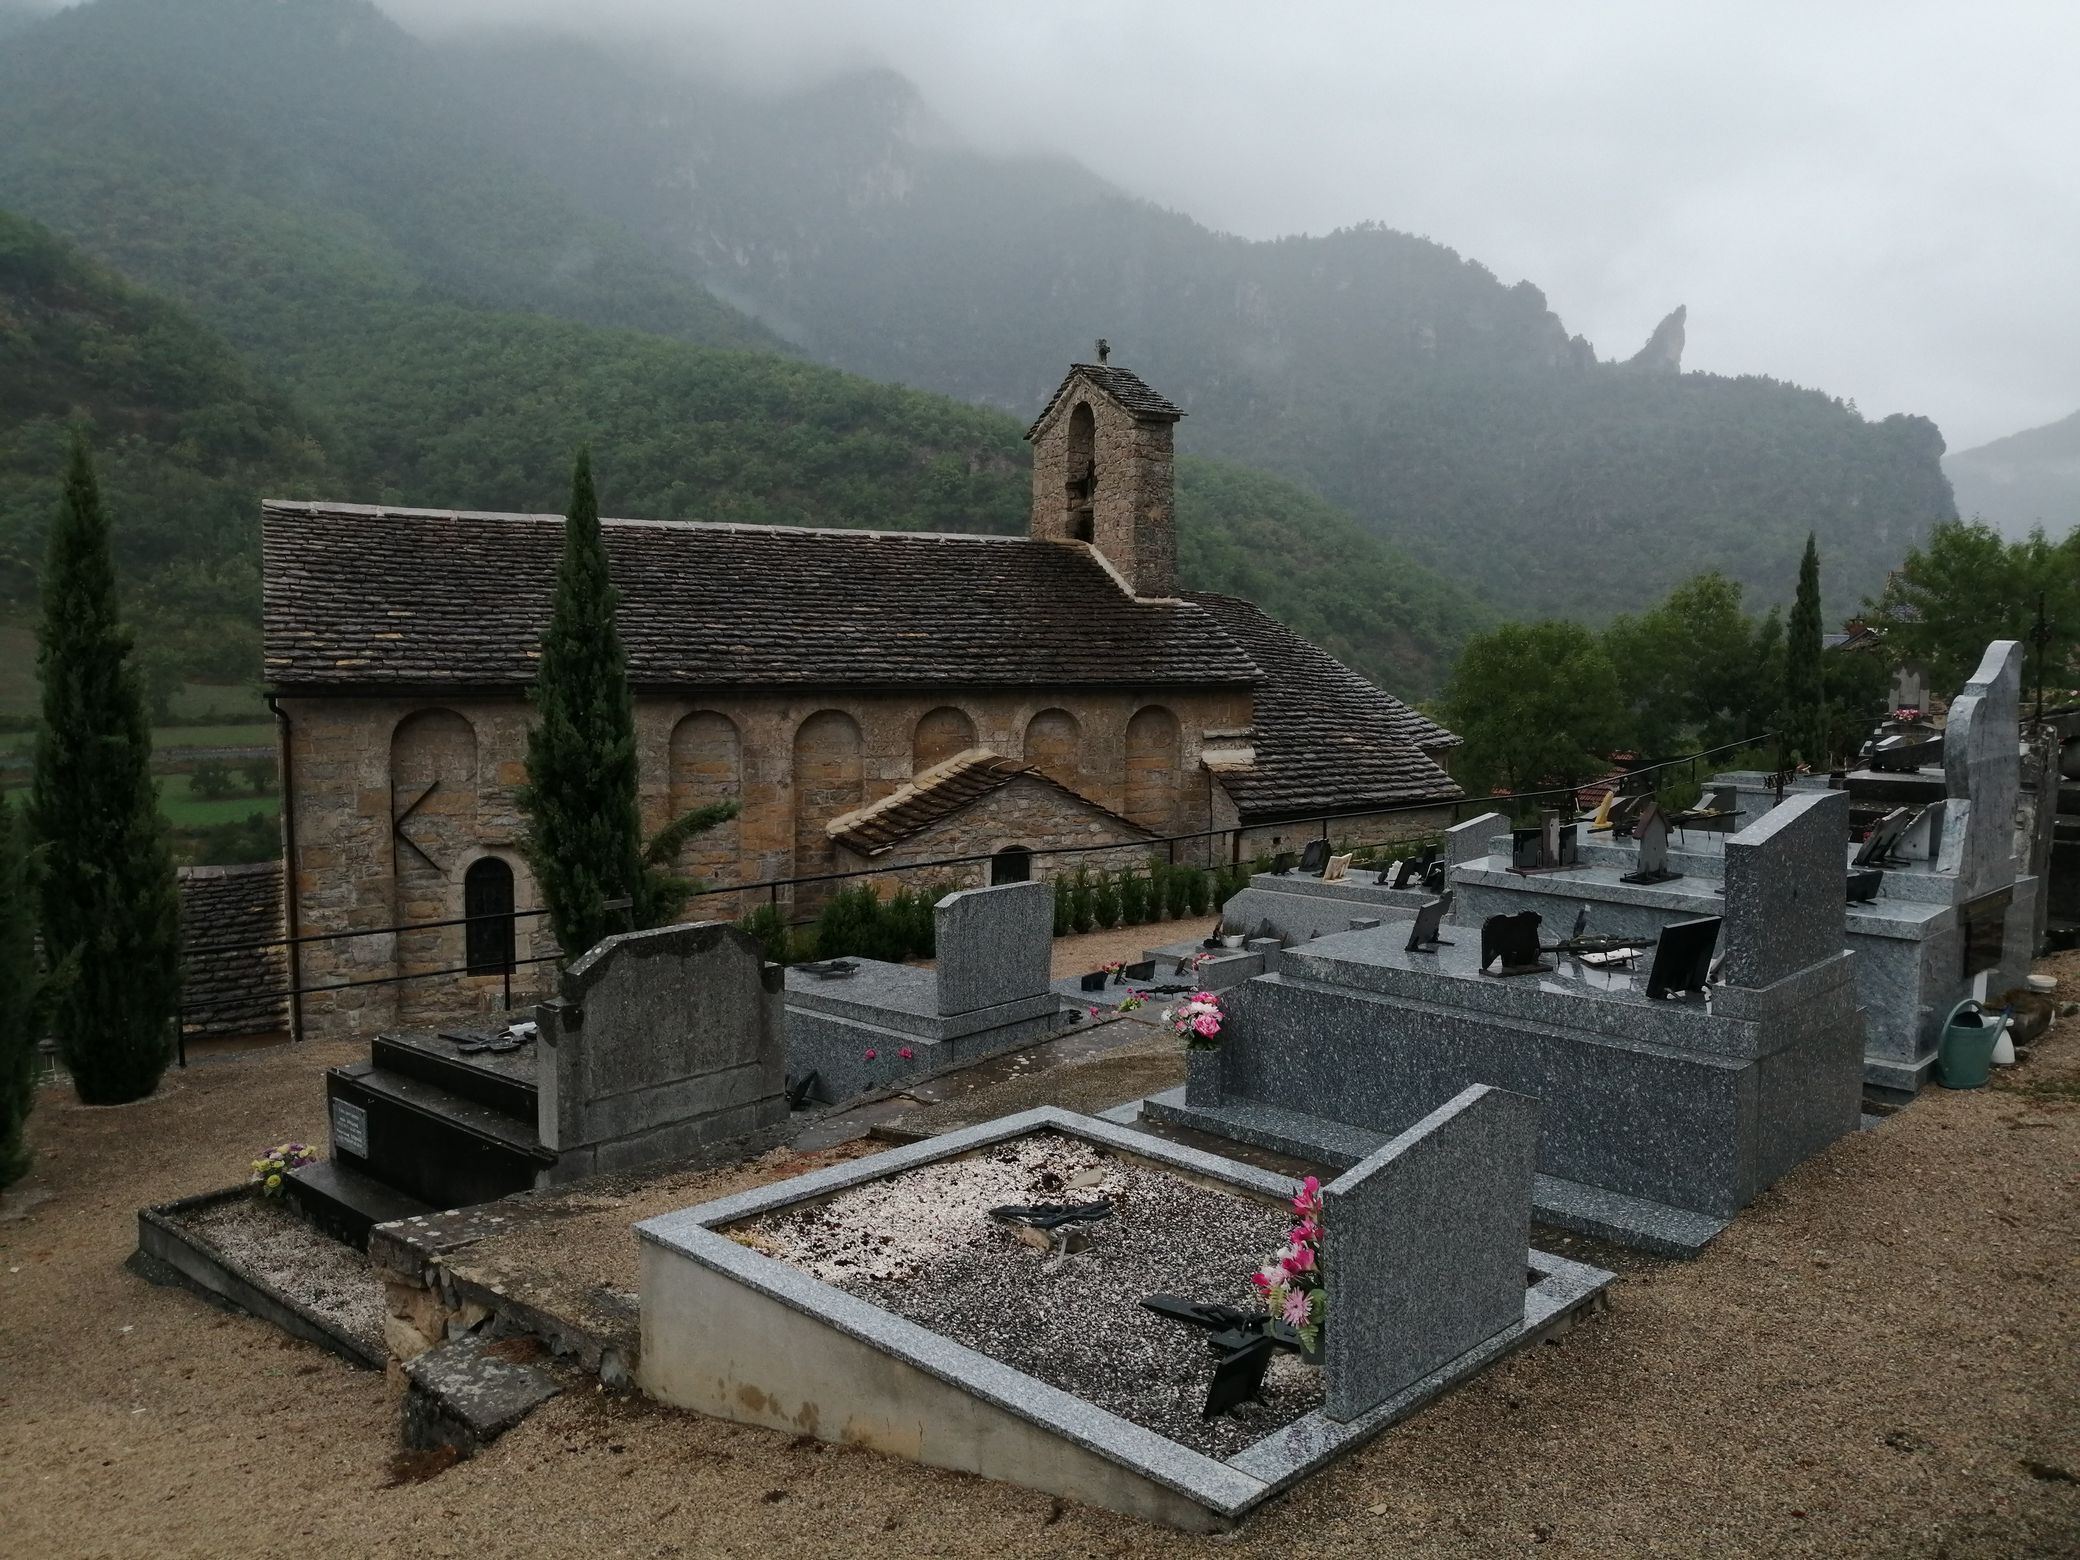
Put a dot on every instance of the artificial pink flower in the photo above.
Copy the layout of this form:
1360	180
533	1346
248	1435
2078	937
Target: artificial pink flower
1296	1308
1301	1261
1094	1012
906	1053
1261	1280
1303	1234
1207	1025
870	1056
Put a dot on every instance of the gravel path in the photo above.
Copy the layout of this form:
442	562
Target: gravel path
1880	1358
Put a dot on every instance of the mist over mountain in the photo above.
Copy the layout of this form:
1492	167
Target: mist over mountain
349	259
1453	414
2025	480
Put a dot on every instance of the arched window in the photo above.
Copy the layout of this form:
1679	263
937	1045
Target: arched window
487	899
1012	864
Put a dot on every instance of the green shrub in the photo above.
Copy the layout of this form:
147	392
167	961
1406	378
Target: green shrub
1064	908
1160	874
850	924
1198	887
768	928
211	781
1133	898
1105	901
924	930
1082	907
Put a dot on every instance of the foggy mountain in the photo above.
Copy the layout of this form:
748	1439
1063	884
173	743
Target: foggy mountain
1451	413
305	185
2026	480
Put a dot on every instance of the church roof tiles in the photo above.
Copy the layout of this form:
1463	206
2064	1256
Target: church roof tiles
359	598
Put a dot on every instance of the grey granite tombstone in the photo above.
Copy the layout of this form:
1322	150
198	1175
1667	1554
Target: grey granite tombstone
1424	1247
1982	772
660	1042
1785	881
994	945
1468	841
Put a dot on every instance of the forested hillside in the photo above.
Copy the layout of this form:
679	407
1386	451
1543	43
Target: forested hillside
1452	413
370	374
2026	480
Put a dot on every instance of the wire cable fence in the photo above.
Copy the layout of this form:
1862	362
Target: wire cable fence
1321	825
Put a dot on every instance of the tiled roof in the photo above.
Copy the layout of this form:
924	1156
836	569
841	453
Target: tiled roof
226	992
941	791
402	598
1326	740
1121	384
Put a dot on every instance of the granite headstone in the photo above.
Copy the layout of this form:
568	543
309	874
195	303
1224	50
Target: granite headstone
659	1042
1469	841
1982	771
994	945
1425	1244
1784	877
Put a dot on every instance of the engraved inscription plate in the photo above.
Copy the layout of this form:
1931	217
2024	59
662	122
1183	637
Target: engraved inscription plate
349	1129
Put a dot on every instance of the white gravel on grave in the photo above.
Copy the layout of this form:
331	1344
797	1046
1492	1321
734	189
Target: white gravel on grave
266	1241
921	1244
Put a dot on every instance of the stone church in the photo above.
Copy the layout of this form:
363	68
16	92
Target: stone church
869	699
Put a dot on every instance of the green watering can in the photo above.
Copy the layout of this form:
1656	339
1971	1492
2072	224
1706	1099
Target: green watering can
1965	1055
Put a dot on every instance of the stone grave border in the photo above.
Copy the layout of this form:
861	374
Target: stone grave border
170	1253
1215	1492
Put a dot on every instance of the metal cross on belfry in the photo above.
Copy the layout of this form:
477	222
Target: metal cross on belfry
1104	349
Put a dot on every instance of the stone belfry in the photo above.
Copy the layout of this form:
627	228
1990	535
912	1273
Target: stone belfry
1104	473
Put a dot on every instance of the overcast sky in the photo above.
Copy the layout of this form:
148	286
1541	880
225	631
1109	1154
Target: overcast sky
1875	197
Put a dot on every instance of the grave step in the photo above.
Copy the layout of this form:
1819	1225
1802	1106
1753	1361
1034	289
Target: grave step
345	1203
504	1083
467	1393
430	1144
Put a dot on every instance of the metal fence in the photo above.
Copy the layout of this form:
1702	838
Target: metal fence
1321	825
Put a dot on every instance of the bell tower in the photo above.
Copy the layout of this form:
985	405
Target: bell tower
1104	473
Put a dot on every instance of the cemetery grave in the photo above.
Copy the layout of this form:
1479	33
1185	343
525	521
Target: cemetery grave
879	1302
870	1024
1662	1118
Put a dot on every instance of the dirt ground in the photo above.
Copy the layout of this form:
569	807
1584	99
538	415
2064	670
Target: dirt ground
1881	1357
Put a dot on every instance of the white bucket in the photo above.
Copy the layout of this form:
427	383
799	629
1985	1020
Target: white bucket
2004	1047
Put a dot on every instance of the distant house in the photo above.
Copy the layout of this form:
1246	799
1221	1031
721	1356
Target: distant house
1909	691
869	699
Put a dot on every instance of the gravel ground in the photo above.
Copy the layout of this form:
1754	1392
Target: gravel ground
921	1244
267	1241
1880	1358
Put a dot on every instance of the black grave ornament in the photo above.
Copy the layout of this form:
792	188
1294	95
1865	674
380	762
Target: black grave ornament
1514	940
1209	1314
1144	969
1683	957
1283	862
1239	1377
1650	828
1422	936
830	969
1315	857
1864	883
1095	981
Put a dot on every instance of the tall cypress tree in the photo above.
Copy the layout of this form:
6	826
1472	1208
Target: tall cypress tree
18	985
1805	691
584	837
104	868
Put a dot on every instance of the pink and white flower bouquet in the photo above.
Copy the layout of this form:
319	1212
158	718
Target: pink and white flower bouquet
1291	1282
1197	1021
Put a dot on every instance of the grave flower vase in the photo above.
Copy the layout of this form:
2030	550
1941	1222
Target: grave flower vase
1202	1076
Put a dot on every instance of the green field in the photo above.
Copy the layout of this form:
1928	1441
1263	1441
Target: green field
186	811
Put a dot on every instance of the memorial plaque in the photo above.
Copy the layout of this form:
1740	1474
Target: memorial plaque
349	1129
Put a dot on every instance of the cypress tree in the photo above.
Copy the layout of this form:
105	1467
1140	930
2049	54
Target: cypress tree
18	984
1804	721
104	866
584	837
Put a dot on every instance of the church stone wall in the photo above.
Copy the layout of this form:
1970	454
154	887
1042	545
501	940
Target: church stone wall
372	851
